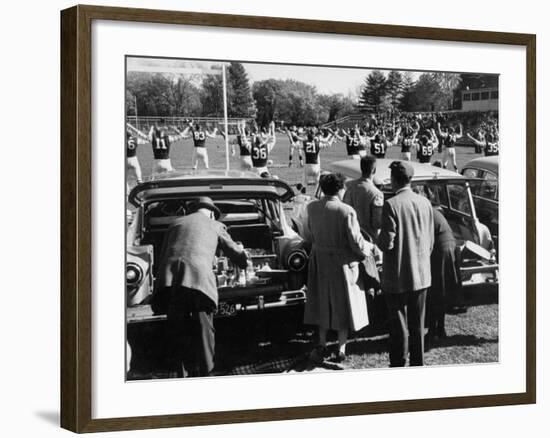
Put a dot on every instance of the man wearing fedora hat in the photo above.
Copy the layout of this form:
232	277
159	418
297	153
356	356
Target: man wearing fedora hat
185	274
407	239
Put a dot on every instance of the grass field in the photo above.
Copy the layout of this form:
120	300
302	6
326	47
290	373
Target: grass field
471	338
182	153
256	339
275	341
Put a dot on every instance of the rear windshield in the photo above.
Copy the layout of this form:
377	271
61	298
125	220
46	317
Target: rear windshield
233	211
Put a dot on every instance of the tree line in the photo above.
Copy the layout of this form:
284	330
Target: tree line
434	91
290	101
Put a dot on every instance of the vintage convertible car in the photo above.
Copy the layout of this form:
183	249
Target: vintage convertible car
483	175
252	209
449	190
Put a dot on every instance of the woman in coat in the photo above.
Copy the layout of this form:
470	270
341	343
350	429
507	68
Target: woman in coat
335	300
446	283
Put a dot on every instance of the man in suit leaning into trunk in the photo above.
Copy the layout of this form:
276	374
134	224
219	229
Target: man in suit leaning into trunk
185	274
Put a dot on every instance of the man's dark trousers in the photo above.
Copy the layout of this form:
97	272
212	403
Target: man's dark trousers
407	313
190	332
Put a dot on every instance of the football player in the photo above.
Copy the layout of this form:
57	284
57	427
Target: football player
408	141
379	144
353	142
200	154
294	138
426	146
132	163
367	136
161	142
314	141
448	138
243	142
261	145
489	144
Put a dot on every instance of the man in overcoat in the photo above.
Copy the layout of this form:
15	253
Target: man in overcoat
407	239
185	273
335	299
367	201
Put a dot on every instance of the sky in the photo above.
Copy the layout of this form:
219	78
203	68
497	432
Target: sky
327	80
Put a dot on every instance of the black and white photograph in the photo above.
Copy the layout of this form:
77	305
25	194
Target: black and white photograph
285	218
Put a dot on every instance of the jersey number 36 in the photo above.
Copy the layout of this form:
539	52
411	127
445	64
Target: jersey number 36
258	154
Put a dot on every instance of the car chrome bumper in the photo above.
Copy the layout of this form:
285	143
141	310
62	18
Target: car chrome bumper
144	313
479	275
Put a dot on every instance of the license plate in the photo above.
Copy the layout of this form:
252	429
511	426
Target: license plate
225	310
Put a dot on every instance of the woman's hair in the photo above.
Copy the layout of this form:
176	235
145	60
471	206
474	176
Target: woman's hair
332	183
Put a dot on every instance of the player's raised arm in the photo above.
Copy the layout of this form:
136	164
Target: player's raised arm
181	134
339	137
213	133
151	133
178	136
434	138
395	139
140	135
289	135
439	129
272	138
460	133
475	140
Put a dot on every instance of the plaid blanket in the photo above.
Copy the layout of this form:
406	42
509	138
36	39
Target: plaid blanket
283	365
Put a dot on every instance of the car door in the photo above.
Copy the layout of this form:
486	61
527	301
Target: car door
454	199
485	194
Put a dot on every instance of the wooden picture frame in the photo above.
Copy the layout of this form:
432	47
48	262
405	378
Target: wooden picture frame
76	217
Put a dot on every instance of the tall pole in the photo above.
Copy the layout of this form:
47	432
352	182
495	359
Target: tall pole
225	118
135	106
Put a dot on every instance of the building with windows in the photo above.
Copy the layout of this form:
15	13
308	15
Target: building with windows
481	99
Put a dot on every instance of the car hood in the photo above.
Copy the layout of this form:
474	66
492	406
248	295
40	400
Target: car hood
190	187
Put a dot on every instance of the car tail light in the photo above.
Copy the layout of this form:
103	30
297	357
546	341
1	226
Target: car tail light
134	274
297	261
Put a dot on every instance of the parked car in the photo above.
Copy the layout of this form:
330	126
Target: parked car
449	190
483	175
251	208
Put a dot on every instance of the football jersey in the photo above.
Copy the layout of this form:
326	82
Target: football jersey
258	152
406	144
243	150
425	152
294	137
311	150
449	141
131	145
161	144
199	138
491	149
353	145
378	148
